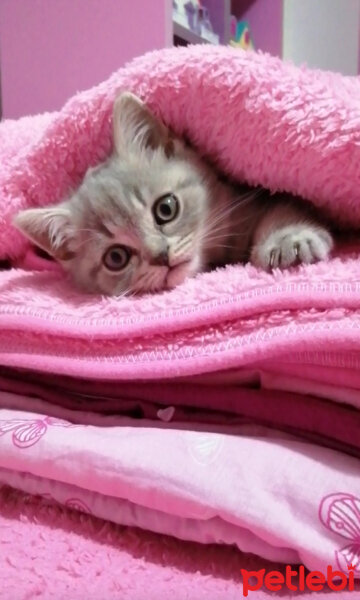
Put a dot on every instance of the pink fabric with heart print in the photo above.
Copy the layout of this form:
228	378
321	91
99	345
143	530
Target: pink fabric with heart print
27	432
195	485
340	513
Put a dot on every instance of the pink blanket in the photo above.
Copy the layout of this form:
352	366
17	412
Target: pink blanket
262	120
213	479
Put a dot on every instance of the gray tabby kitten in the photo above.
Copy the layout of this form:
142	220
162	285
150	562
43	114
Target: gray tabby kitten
154	214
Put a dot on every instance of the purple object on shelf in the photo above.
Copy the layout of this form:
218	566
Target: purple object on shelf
215	9
205	18
198	18
193	17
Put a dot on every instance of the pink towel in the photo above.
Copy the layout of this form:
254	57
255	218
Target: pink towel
262	120
233	318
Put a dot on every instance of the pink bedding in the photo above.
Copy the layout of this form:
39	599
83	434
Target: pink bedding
159	477
279	352
210	404
271	495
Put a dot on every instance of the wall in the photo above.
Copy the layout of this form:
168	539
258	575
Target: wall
323	34
52	48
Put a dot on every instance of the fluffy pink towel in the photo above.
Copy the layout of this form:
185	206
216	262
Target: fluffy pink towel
232	318
263	120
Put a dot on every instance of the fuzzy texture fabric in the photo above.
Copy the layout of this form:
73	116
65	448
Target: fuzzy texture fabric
262	120
232	318
94	559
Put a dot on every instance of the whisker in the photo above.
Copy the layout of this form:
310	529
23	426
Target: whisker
183	249
226	212
220	221
142	277
237	202
222	236
221	214
185	241
239	222
224	246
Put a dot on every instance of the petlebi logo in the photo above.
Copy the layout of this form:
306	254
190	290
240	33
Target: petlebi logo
300	580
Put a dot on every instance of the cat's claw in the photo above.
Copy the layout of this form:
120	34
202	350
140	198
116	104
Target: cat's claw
291	246
274	257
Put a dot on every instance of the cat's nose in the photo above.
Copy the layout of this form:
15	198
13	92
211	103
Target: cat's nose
161	260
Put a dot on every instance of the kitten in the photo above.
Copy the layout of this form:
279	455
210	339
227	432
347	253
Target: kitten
154	214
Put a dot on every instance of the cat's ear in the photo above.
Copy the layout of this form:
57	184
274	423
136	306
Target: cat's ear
49	228
136	129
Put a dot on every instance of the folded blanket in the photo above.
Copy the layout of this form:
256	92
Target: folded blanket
268	492
269	495
231	318
213	406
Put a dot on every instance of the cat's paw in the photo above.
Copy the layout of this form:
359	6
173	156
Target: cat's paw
292	245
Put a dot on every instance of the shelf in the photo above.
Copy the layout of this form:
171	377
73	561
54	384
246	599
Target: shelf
187	35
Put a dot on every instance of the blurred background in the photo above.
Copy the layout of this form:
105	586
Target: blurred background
50	49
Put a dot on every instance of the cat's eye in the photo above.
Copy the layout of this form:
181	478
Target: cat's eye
166	209
116	258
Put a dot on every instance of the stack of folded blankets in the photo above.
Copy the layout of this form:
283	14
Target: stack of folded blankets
225	411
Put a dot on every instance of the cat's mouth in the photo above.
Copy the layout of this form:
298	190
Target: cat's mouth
177	274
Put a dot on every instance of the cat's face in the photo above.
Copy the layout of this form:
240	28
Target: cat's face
137	222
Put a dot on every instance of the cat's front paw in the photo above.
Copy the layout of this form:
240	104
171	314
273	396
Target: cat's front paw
292	245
